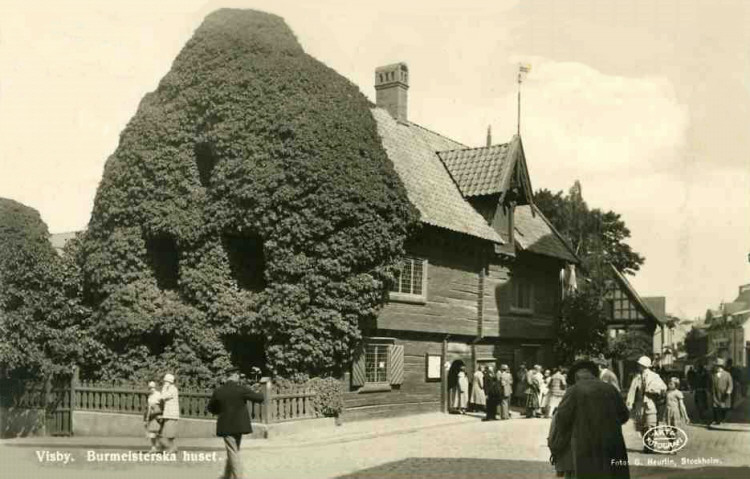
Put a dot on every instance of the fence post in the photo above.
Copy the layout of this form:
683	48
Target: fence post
47	398
74	378
267	399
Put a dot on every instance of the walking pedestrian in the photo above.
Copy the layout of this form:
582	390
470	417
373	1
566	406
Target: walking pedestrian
505	378
721	392
228	402
492	387
647	391
557	384
478	397
544	391
589	421
152	416
171	413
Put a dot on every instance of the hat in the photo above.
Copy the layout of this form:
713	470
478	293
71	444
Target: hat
719	362
151	384
168	378
583	364
504	367
644	361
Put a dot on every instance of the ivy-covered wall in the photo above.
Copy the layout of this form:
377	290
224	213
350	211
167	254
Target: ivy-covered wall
248	214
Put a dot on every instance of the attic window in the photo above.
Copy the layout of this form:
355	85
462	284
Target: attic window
205	160
246	260
165	260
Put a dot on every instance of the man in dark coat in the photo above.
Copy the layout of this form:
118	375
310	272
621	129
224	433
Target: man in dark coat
228	402
492	389
590	418
721	392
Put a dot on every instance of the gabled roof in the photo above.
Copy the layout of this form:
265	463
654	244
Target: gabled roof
488	170
535	234
658	306
429	186
633	295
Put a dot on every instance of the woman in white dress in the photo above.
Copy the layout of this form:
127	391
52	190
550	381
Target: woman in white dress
478	398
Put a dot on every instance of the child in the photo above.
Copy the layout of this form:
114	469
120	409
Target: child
676	412
152	415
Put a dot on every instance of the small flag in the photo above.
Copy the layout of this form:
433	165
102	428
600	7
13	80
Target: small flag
523	70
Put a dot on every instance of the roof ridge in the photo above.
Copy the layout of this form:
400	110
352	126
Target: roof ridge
438	134
475	147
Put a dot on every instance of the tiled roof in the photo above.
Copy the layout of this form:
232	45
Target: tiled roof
533	233
479	171
430	188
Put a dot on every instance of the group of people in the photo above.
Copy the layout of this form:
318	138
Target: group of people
490	390
717	391
228	402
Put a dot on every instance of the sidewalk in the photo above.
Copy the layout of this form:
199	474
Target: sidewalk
347	432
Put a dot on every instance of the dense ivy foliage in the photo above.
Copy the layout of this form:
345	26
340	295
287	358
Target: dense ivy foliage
44	327
249	213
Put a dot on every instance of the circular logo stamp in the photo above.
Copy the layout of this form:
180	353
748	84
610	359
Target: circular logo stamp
665	439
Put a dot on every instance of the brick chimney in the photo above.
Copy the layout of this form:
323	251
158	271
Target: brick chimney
391	85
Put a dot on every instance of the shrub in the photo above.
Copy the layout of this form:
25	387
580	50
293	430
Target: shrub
329	398
246	141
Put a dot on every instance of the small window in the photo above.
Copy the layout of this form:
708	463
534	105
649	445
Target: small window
165	261
376	363
205	161
523	295
411	280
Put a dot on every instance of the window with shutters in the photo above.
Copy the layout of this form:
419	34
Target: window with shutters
379	365
376	363
410	284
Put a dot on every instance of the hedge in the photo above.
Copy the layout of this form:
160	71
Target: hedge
249	213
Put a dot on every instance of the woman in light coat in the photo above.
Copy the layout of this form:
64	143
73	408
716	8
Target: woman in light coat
171	413
462	396
478	398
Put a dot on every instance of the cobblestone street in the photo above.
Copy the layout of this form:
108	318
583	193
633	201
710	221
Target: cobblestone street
466	447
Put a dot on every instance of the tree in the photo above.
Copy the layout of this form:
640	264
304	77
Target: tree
581	328
631	345
249	213
598	237
44	326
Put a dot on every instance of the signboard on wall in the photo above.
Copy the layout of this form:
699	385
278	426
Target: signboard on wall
433	365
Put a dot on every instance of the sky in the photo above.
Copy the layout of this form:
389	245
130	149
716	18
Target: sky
646	102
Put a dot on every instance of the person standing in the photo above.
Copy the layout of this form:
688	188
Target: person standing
721	392
646	392
152	416
557	384
606	375
533	389
676	411
478	398
700	392
589	422
492	388
462	397
171	413
505	378
228	402
520	393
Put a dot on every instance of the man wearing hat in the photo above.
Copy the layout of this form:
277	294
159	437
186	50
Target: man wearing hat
645	396
170	413
721	392
228	402
586	431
